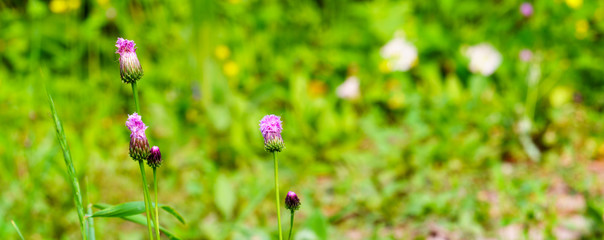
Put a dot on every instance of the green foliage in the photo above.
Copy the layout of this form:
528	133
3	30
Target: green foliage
139	219
73	178
121	210
17	229
132	208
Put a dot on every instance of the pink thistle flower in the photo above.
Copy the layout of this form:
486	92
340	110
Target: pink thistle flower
271	127
292	202
526	9
139	145
154	160
136	125
130	68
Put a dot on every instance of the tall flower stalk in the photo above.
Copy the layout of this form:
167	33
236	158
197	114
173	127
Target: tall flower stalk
130	72
139	151
154	161
292	203
277	194
271	127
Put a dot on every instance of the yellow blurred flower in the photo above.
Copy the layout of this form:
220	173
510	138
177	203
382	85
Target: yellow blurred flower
73	4
560	96
574	3
384	66
102	2
222	52
316	88
231	69
58	6
61	6
581	28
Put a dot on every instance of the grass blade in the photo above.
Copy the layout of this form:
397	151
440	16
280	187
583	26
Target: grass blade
130	209
77	195
140	219
17	229
174	213
121	210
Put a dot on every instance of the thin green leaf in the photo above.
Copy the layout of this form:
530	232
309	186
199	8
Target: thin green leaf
174	213
140	219
224	195
17	229
75	185
122	210
133	208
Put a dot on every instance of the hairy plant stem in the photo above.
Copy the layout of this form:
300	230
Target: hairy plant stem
146	195
142	167
291	226
277	194
156	204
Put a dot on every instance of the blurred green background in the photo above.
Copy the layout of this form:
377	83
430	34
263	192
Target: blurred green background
433	152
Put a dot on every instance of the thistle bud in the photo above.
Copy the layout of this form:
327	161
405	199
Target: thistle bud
292	202
130	68
139	145
154	159
271	128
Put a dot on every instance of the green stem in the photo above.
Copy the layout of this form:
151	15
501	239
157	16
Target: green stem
291	226
90	222
156	205
146	195
135	92
277	194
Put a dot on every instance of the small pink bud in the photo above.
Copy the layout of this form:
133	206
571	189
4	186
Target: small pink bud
292	202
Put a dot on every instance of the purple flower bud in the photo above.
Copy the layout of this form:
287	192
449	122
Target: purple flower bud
130	68
271	128
526	9
292	202
525	55
139	145
154	159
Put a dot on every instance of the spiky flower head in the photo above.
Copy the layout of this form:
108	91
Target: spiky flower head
292	202
130	68
271	128
139	145
154	159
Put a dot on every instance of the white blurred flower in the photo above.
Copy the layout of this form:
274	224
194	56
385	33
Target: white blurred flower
484	59
399	54
349	89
